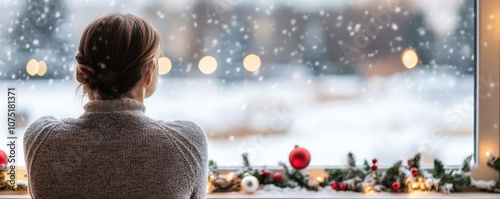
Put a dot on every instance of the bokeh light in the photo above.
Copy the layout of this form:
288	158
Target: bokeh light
207	65
409	58
32	67
42	68
164	65
252	62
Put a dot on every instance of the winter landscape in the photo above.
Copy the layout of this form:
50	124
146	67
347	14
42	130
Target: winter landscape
318	83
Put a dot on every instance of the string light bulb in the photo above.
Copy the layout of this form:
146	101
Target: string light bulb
230	177
319	179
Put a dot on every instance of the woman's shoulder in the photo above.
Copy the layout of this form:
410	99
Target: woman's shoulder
39	126
36	133
41	123
186	125
185	128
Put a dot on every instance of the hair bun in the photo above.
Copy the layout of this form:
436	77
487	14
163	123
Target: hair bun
112	62
87	75
80	59
108	77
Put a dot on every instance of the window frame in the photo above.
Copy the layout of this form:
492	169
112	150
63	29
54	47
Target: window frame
487	138
487	109
487	113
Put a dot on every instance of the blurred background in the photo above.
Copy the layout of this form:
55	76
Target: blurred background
379	78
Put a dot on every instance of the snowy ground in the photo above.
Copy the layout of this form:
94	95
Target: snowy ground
389	118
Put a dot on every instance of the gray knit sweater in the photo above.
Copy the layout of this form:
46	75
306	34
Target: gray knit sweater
113	150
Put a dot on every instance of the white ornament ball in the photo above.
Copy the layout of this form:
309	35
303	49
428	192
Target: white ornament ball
250	184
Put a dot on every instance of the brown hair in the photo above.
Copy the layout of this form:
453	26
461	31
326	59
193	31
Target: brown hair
115	52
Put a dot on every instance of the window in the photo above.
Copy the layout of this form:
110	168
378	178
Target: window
383	79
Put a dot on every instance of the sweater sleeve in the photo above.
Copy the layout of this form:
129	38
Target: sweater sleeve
34	135
200	139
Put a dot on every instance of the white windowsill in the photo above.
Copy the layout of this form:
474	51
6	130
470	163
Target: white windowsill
263	194
354	195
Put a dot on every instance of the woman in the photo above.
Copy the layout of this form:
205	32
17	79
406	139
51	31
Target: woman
113	150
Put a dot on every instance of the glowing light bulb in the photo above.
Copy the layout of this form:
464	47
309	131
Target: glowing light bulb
207	65
409	58
164	65
230	176
490	156
252	62
414	185
32	67
319	179
42	68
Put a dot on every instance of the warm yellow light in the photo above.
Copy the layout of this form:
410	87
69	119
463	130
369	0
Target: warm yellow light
487	153
319	179
42	68
32	67
209	188
230	176
207	65
252	62
414	185
409	58
164	65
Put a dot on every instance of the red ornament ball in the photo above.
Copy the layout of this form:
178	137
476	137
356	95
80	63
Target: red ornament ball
396	186
335	186
414	171
277	177
343	187
3	158
410	162
374	167
266	173
374	161
299	158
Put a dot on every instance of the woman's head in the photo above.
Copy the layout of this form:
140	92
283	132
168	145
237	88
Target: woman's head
117	57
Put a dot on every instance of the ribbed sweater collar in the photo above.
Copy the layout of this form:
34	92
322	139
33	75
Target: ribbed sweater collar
114	105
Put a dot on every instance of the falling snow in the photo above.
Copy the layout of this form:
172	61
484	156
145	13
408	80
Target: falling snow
327	70
394	26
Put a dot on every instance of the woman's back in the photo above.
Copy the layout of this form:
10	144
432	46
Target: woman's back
114	150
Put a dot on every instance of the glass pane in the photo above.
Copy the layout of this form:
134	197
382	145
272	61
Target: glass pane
383	78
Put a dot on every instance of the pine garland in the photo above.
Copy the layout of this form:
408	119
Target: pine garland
5	185
494	163
398	178
358	179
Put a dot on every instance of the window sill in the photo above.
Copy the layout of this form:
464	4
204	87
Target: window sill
352	195
263	194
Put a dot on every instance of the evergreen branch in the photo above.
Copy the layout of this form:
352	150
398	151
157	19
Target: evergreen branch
351	160
416	160
392	175
466	164
246	163
366	166
438	170
336	175
495	164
